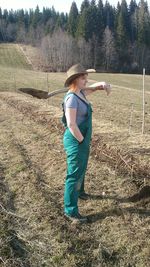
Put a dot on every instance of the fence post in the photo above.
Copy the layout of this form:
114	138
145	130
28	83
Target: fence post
131	119
143	115
15	82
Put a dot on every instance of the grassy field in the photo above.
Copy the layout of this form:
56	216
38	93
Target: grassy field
12	56
131	81
33	230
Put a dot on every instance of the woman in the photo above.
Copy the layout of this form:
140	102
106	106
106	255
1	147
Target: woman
77	119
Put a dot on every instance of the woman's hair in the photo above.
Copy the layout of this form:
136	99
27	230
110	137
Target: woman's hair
73	84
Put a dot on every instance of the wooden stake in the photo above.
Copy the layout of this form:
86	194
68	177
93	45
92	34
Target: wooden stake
131	118
143	118
15	82
47	82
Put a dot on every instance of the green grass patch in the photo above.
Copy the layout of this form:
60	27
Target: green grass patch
12	56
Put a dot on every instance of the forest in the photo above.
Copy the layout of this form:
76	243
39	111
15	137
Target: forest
99	35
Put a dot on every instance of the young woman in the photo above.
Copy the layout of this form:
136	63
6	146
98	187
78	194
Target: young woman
77	119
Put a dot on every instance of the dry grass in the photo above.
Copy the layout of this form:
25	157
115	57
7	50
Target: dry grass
34	231
42	231
34	55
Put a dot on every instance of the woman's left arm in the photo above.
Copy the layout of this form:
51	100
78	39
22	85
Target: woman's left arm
91	89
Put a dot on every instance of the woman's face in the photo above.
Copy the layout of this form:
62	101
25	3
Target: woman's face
81	81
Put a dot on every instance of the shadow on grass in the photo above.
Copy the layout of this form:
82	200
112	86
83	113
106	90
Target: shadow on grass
141	151
116	212
141	195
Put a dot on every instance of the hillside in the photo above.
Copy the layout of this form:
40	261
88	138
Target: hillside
34	232
12	56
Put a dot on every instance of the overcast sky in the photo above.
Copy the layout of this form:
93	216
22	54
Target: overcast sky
59	5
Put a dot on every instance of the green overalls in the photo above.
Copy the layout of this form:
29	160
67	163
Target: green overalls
77	159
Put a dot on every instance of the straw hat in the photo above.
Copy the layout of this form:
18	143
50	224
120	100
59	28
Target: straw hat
75	71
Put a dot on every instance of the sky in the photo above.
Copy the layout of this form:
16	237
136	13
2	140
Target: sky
59	5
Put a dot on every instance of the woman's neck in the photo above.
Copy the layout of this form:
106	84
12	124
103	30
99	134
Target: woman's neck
77	91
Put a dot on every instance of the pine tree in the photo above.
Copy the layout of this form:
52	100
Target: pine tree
100	19
73	19
61	22
51	24
20	18
5	15
133	20
93	18
123	26
36	17
122	37
85	4
1	13
46	15
26	20
109	16
82	30
143	23
132	7
88	22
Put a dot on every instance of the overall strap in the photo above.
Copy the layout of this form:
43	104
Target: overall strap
82	100
77	97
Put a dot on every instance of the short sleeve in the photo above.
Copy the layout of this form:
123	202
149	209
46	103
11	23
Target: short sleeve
71	102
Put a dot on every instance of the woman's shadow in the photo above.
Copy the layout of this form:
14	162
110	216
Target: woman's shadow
144	193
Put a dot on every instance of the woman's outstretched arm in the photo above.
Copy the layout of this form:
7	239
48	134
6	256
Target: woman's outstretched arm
97	87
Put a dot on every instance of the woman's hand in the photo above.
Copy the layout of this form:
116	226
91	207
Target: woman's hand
102	86
107	87
97	87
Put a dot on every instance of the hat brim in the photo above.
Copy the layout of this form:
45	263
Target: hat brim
73	77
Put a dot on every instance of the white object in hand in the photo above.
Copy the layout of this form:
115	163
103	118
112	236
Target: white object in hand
108	89
106	86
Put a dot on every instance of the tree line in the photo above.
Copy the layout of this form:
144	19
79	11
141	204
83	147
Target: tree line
98	35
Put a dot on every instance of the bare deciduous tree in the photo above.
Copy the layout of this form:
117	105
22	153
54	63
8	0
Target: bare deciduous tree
109	51
61	50
84	49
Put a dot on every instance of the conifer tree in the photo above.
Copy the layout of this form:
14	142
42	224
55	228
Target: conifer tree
36	17
0	13
122	25
122	34
73	19
100	20
108	14
46	15
133	21
85	4
143	23
88	22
